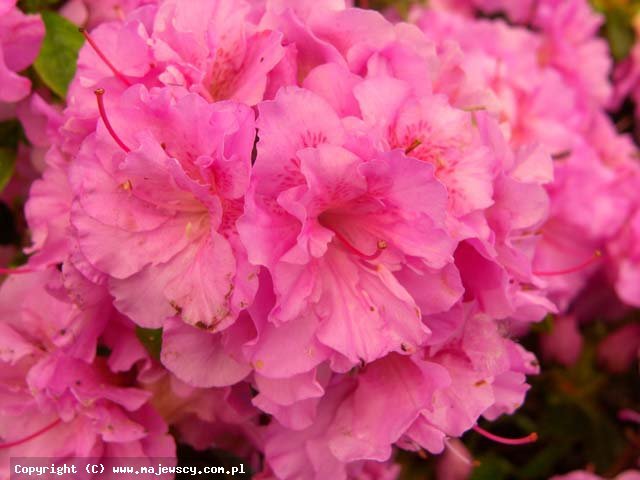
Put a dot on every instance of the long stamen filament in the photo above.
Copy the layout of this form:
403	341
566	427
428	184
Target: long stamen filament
381	246
532	437
42	431
103	57
103	114
587	263
18	270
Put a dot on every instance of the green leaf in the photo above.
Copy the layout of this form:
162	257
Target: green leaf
151	338
545	326
35	6
7	165
492	467
11	134
56	63
619	33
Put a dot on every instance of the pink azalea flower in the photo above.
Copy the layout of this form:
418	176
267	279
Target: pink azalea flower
20	39
41	121
47	212
572	46
620	349
340	221
590	196
218	49
91	13
626	78
569	41
55	403
584	475
477	373
154	209
455	463
212	48
564	343
383	213
487	377
214	417
626	261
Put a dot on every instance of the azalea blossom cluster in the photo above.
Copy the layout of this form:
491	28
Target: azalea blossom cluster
301	231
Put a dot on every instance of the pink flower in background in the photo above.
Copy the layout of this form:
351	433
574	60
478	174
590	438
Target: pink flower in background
569	42
626	77
589	200
91	13
454	464
621	348
571	46
584	475
626	261
20	39
564	343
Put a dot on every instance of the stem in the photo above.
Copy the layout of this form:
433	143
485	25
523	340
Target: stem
103	114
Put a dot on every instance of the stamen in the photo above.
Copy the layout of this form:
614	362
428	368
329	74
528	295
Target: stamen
119	12
587	263
532	437
415	144
102	56
17	271
474	108
42	431
381	246
103	114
